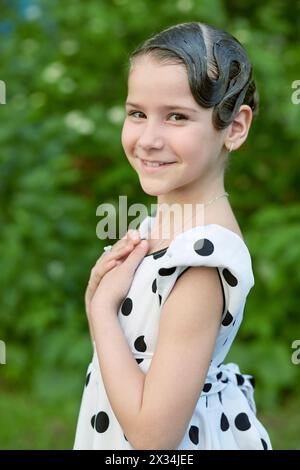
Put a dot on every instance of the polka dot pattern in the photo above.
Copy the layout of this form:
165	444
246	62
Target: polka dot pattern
93	421
222	417
204	247
252	381
159	254
140	344
100	421
194	435
87	379
230	278
227	319
239	379
224	424
126	307
166	271
207	387
264	444
242	422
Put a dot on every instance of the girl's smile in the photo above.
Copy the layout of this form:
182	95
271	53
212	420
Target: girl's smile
152	166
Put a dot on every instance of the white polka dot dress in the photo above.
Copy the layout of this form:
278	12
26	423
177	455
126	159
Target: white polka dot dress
225	413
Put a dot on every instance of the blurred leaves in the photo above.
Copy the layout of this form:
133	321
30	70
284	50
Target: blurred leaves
64	65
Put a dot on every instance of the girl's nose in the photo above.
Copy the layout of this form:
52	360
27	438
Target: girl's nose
150	138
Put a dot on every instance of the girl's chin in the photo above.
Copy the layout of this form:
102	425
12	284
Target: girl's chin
153	189
150	192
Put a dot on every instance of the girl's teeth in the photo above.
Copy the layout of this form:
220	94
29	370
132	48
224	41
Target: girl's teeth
155	164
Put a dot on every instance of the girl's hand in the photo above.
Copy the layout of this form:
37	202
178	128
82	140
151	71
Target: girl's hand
107	261
115	284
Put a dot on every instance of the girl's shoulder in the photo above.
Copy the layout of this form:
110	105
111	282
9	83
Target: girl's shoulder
227	220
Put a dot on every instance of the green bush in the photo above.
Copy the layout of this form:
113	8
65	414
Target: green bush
64	65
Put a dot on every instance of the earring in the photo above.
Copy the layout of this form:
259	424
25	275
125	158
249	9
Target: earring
231	145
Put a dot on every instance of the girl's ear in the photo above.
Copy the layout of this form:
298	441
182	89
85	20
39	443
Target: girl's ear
238	130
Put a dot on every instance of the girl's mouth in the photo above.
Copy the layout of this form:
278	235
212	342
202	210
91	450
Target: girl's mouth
153	167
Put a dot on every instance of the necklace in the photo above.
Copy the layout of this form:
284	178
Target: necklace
215	199
192	218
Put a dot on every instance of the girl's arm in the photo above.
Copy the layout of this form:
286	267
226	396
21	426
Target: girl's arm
154	410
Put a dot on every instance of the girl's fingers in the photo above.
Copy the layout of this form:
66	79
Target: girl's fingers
95	278
131	238
107	261
132	235
118	252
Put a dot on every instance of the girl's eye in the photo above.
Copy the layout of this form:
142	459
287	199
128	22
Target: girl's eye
135	113
181	116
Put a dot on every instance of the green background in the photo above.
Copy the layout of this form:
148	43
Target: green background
64	65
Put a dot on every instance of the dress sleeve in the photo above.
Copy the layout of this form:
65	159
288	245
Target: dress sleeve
213	246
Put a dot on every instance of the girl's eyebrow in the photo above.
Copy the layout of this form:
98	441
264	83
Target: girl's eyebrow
171	106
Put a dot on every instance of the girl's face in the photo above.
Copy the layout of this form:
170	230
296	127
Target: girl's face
165	124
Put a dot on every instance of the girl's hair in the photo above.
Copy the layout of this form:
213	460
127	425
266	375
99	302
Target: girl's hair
218	68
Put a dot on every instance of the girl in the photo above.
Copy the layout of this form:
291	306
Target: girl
164	311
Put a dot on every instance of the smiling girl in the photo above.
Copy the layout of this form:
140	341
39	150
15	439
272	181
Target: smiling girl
164	311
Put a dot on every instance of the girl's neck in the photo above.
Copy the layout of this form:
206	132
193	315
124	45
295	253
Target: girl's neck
169	221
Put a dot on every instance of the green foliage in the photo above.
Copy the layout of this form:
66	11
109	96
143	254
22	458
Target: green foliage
61	156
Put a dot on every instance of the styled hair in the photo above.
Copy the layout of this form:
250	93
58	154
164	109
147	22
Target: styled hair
218	68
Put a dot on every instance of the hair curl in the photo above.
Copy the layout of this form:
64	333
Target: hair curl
218	68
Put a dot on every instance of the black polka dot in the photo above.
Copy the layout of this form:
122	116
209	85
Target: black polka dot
219	375
227	319
240	379
154	286
194	434
159	298
207	387
126	306
140	344
264	444
93	421
242	422
101	422
139	360
204	247
252	381
166	271
224	423
159	254
230	278
87	379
